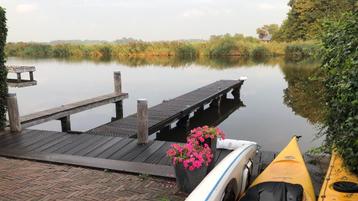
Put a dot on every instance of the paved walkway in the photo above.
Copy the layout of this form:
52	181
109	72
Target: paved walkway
28	180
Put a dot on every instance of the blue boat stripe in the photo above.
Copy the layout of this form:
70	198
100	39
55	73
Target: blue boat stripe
227	169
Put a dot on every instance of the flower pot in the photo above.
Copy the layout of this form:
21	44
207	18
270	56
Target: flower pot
212	144
187	180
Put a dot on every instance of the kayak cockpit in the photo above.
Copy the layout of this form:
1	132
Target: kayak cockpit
275	191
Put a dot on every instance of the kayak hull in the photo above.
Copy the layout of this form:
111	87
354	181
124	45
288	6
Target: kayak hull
231	172
288	168
337	173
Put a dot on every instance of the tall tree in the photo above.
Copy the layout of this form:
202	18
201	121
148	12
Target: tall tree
304	20
3	71
265	30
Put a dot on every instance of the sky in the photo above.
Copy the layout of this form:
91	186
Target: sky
150	20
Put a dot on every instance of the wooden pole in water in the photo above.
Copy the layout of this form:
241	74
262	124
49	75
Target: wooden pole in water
31	73
118	89
18	77
13	111
117	82
142	118
66	123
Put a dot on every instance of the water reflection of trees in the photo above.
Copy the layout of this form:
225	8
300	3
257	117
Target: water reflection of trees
304	93
215	63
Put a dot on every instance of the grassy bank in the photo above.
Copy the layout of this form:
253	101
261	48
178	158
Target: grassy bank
217	46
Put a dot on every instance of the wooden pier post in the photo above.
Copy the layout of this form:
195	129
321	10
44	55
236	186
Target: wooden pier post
117	82
236	92
184	123
65	123
142	121
119	109
13	111
118	89
31	73
18	77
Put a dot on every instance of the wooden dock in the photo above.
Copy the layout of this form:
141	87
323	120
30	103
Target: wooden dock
115	146
120	154
164	114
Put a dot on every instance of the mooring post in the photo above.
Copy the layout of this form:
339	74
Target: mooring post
117	82
142	121
13	111
236	92
18	77
66	123
119	109
118	89
31	73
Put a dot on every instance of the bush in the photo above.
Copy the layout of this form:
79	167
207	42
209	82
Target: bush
340	64
260	52
301	51
223	47
3	71
186	51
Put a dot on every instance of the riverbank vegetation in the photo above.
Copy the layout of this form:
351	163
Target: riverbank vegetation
340	64
3	72
217	46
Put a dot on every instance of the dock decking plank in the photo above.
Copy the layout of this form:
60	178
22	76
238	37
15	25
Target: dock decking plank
93	146
83	145
116	147
149	151
139	149
103	147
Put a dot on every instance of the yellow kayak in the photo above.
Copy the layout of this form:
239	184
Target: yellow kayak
286	178
339	184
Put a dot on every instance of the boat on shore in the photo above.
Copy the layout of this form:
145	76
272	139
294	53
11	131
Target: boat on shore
286	178
339	184
231	176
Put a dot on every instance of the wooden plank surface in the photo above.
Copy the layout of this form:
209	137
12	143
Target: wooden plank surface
107	164
118	154
20	69
19	84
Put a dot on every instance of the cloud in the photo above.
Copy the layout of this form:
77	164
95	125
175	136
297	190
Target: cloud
270	6
25	8
199	12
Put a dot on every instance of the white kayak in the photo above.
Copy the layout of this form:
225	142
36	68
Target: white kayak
230	177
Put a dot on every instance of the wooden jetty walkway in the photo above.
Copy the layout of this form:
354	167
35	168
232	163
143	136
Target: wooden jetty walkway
162	115
121	145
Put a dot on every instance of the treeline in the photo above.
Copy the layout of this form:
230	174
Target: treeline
305	19
217	46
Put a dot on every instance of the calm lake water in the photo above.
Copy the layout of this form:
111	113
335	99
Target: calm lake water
280	99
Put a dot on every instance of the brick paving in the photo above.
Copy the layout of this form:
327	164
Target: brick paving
29	180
